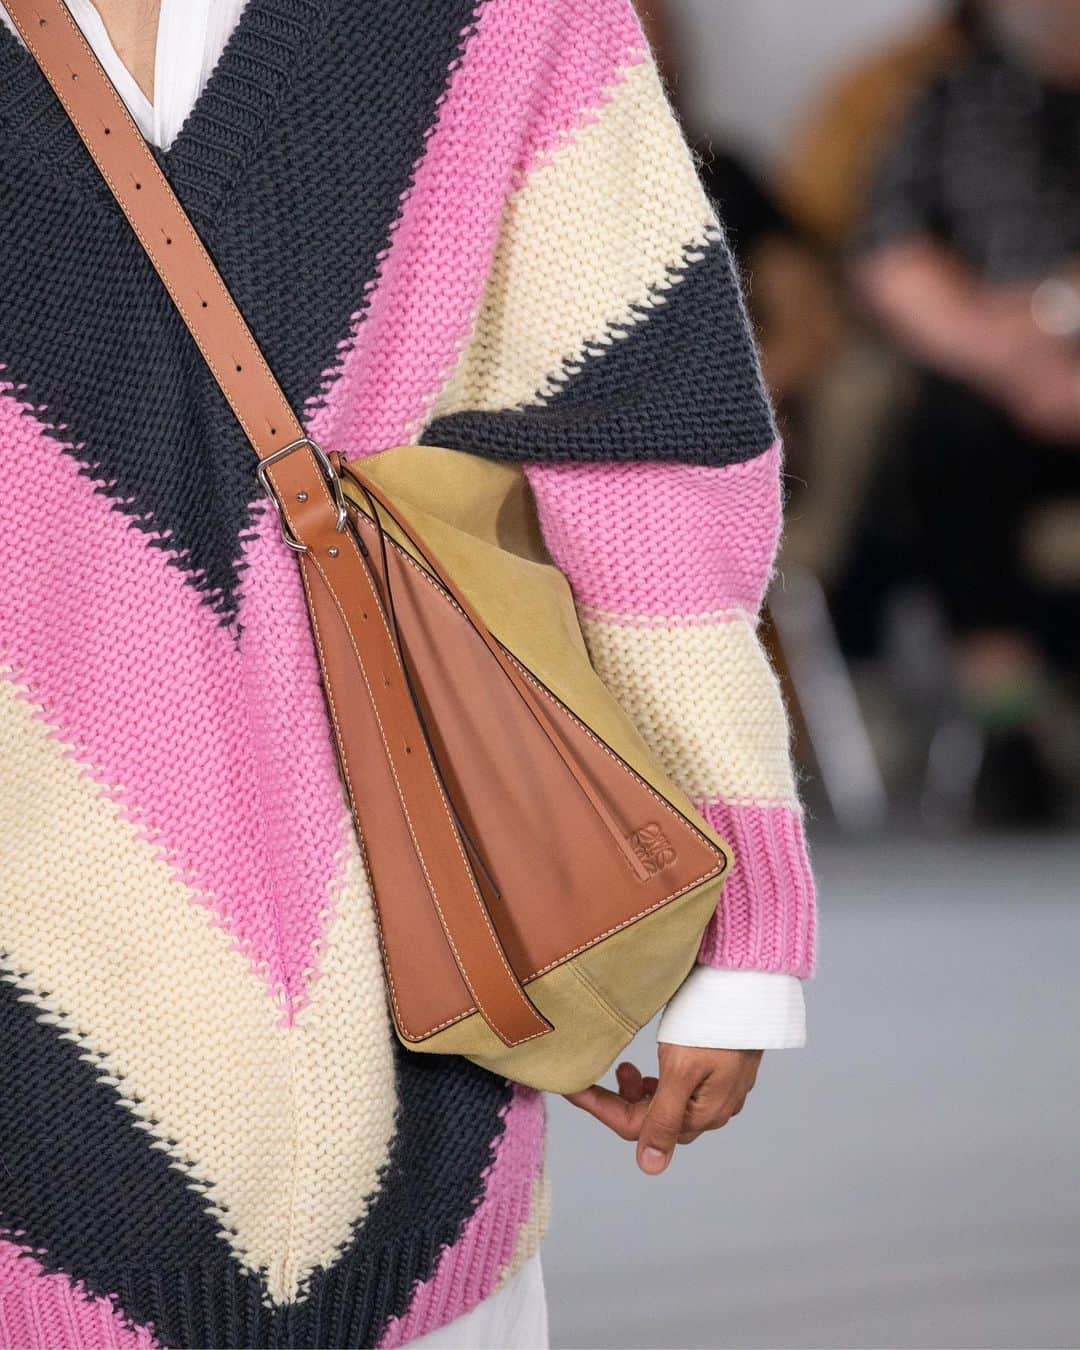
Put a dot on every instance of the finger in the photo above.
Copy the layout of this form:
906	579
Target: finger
631	1084
624	1117
663	1122
645	1087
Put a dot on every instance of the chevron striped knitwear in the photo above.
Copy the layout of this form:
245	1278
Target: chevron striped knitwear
472	223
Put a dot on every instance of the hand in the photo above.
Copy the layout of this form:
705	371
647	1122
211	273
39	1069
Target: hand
1041	392
986	335
697	1090
1032	374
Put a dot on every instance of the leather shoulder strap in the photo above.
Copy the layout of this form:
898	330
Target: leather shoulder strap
302	484
143	193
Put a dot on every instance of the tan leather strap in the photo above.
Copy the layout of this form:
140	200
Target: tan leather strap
335	561
303	487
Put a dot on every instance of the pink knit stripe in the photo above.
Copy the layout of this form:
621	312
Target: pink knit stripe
468	1271
766	918
674	540
169	712
47	1310
589	44
490	125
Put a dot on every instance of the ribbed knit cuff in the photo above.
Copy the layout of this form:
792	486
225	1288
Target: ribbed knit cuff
766	918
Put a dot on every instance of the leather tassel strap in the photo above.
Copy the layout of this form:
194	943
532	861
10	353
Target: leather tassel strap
307	493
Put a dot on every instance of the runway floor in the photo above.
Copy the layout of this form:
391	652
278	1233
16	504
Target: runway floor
911	1179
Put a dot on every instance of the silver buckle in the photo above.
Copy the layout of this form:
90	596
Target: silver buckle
333	482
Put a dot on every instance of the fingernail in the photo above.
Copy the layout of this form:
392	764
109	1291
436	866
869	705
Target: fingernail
653	1160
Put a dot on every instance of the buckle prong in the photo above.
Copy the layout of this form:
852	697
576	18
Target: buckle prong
333	482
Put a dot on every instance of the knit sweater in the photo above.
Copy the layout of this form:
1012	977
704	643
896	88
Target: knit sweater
469	223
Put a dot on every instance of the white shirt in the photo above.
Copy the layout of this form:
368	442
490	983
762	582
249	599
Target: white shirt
725	1009
191	37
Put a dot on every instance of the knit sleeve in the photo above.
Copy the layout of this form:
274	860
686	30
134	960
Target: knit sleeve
611	353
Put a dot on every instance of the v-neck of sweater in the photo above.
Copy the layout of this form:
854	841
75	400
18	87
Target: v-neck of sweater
220	133
142	108
191	35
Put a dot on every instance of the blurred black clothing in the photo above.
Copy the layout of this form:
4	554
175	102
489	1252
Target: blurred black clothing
975	482
987	163
1016	787
951	497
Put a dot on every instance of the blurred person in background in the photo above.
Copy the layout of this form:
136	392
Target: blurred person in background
823	177
827	168
969	256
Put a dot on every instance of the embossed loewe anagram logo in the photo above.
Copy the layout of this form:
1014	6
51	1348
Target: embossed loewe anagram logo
653	847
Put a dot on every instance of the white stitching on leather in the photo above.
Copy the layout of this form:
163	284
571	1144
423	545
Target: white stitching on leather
453	830
545	692
401	796
352	799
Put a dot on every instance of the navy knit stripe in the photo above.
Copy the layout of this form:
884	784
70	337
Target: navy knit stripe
298	268
219	1306
82	1186
77	1175
263	63
683	384
296	238
30	114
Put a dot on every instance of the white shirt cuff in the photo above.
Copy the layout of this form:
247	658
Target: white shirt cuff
736	1010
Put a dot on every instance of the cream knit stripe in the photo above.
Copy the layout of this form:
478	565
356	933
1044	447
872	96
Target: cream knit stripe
284	1129
595	236
706	700
344	1074
531	1232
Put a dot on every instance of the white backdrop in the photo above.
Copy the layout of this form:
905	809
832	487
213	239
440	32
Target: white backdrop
749	69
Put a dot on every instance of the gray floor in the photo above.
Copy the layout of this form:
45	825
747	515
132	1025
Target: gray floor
910	1179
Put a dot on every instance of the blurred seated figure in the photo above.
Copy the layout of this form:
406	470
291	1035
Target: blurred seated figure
969	256
828	166
823	178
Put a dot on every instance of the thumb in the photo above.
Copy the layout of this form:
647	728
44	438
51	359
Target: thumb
663	1124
